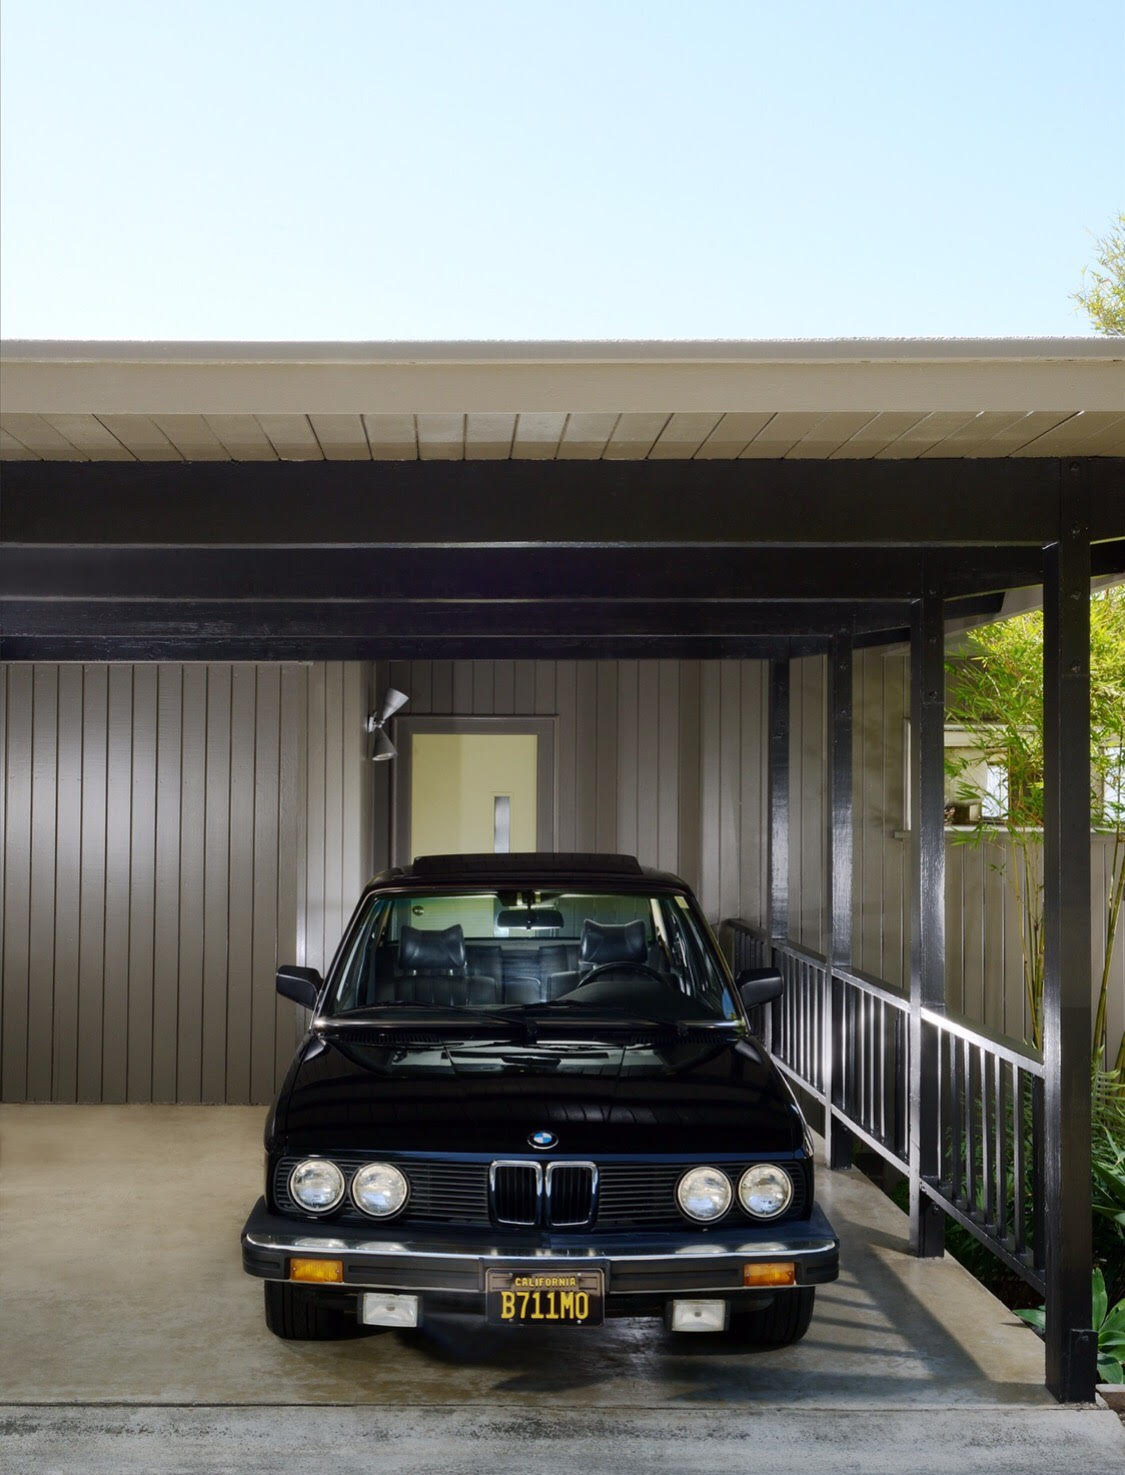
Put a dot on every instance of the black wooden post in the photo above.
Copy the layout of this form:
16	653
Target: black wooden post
777	921
927	907
1071	1347
779	802
837	1138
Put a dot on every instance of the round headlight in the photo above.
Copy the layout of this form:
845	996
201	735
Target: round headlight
317	1185
379	1189
704	1193
765	1191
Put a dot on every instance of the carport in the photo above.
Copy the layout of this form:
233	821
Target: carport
703	543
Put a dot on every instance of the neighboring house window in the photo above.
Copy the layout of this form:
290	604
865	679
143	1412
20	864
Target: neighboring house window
976	770
983	772
1113	790
994	788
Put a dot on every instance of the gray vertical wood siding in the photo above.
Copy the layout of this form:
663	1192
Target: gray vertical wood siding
155	868
983	959
334	790
169	833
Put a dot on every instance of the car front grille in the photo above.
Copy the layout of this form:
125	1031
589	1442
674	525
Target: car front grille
516	1190
579	1195
570	1194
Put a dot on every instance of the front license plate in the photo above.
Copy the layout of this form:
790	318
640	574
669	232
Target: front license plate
525	1297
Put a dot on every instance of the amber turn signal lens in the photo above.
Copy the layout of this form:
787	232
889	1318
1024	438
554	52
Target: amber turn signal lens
319	1270
769	1273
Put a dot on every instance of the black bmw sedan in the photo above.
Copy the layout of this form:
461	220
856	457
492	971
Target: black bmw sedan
530	1091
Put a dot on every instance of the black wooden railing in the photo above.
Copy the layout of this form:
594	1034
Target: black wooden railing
844	1039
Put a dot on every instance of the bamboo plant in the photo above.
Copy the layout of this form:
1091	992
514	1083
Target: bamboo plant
996	696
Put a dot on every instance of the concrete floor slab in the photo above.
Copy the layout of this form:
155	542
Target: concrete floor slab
121	1282
481	1441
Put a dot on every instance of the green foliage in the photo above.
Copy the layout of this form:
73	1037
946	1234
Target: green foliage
1104	296
1107	1177
996	694
1109	1323
1108	1172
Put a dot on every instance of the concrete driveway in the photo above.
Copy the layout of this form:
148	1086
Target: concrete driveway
131	1336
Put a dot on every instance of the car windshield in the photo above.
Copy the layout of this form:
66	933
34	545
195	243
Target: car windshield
607	953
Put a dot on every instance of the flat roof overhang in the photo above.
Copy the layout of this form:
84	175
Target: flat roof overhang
818	399
273	501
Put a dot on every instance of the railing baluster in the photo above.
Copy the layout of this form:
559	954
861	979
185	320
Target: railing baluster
902	1076
988	1204
970	1129
800	1015
800	1018
1019	1163
816	1055
882	1071
824	996
802	1038
1001	1215
1038	1234
956	1179
948	1099
802	999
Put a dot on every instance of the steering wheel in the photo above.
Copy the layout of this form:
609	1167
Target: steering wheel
626	967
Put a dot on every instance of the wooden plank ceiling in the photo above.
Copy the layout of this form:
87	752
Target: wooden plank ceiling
555	435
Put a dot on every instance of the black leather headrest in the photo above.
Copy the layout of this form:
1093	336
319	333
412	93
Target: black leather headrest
613	944
421	951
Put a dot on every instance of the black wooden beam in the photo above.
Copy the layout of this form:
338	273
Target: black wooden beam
90	629
782	502
269	647
1071	1344
927	909
435	619
69	570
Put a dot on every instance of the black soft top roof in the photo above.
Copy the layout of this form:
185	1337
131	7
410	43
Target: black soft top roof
525	866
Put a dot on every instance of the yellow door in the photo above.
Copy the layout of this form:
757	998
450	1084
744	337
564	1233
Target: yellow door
473	792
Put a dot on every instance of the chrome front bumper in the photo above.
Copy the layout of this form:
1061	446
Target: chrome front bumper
635	1265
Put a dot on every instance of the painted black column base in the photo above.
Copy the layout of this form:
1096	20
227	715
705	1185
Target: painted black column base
838	1143
1075	1379
927	1226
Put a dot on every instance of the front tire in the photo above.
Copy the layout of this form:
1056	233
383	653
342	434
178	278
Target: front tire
297	1315
784	1321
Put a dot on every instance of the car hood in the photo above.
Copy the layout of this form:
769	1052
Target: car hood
367	1089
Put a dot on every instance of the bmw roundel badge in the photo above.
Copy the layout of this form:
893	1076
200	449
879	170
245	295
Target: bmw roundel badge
543	1140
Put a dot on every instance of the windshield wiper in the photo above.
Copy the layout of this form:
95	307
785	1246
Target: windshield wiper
466	1013
620	1012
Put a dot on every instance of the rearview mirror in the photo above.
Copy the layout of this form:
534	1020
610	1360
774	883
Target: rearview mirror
302	985
530	919
759	986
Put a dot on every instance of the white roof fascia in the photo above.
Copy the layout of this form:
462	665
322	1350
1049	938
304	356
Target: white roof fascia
1020	375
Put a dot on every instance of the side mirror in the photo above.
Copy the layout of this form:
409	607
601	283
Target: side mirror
759	986
302	985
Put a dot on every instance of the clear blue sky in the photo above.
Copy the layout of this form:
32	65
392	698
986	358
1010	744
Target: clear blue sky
422	169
